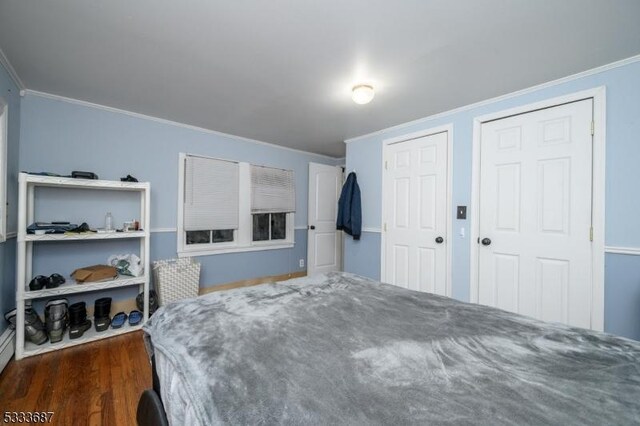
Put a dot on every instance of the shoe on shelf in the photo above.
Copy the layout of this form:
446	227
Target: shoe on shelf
10	316
78	322
34	330
135	317
38	283
153	302
55	280
118	320
101	313
56	318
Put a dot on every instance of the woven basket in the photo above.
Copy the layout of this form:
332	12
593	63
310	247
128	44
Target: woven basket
176	279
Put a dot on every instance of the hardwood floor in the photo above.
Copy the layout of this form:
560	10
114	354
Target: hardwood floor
94	384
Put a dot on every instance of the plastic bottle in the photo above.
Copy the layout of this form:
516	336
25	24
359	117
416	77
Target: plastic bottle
108	222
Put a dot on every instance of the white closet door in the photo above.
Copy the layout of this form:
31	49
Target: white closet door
415	193
535	214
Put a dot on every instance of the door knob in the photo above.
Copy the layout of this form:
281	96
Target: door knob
312	227
439	240
486	241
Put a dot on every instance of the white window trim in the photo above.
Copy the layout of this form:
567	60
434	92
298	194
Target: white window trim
4	134
243	236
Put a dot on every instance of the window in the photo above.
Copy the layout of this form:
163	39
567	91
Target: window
269	226
227	206
4	125
272	197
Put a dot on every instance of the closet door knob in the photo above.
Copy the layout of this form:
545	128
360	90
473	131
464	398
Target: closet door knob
312	227
439	240
486	242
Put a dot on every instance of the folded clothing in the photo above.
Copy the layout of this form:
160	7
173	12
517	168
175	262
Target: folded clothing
50	228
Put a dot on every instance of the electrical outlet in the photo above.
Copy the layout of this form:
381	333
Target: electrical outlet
302	263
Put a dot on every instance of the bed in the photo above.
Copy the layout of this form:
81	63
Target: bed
338	348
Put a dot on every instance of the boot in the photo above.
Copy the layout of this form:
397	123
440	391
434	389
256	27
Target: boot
56	318
78	322
101	313
10	316
153	302
34	330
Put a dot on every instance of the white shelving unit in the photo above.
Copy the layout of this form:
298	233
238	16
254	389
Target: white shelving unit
25	243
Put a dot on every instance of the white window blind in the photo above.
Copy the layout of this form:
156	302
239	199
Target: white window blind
272	190
211	194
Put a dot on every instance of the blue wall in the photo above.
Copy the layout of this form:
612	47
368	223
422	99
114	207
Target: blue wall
622	195
60	136
10	93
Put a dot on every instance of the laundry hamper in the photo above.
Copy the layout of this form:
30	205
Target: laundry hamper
176	279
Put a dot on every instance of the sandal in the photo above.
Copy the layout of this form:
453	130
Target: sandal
135	317
118	320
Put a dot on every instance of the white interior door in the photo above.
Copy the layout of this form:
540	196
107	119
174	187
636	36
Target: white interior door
324	242
415	185
535	214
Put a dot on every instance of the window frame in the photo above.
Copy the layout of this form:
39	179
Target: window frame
243	236
4	176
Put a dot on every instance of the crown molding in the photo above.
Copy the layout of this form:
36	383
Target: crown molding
168	122
511	95
11	71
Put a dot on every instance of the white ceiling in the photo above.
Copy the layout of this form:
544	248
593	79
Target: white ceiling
281	71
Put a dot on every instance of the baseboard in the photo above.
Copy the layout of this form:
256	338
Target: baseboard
7	347
251	282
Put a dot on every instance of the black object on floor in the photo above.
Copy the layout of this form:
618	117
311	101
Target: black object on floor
101	313
78	322
150	410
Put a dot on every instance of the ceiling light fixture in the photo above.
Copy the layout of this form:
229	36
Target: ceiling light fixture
362	94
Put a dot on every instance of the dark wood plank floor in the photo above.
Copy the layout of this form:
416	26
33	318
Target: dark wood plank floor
94	384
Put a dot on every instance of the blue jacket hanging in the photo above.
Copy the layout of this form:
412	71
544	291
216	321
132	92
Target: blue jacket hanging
349	208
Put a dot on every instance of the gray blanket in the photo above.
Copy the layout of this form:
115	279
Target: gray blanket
342	349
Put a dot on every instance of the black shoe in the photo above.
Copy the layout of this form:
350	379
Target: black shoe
38	283
153	302
78	322
55	280
101	313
